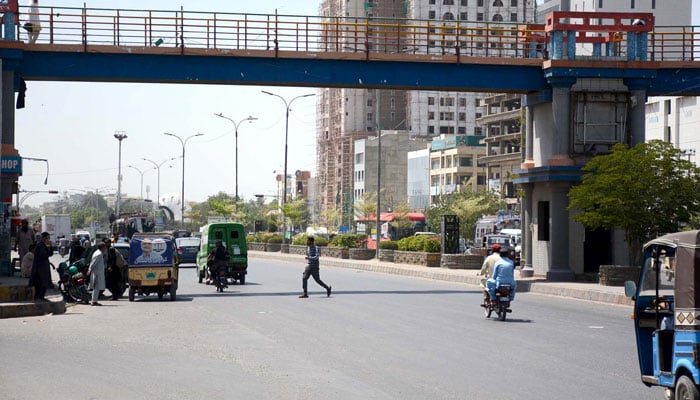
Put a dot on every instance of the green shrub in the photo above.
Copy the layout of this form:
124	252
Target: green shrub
420	243
349	240
390	245
274	238
300	240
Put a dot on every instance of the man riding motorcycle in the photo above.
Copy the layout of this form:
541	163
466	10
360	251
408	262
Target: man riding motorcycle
217	258
503	273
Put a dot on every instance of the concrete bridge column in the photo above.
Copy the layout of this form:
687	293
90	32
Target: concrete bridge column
526	240
561	110
7	180
638	97
559	269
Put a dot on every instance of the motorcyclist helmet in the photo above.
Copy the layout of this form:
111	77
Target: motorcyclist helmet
73	270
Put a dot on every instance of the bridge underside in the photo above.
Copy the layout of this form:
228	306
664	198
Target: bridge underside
347	70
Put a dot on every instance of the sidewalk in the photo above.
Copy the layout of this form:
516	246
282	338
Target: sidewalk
574	290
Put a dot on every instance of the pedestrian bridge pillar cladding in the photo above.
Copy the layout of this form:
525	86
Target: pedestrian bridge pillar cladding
579	119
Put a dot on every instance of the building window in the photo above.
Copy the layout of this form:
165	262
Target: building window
429	2
600	3
447	116
497	18
479	3
462	101
667	134
481	180
370	117
543	220
667	106
431	130
513	3
431	44
431	14
462	130
513	17
370	102
653	4
462	116
478	131
431	101
498	3
631	3
466	162
463	16
479	16
444	130
448	16
431	115
447	101
464	3
448	2
435	163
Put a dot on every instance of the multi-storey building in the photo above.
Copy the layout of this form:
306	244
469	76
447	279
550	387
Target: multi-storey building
675	120
346	115
455	165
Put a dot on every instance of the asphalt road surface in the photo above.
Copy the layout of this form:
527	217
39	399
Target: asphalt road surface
377	337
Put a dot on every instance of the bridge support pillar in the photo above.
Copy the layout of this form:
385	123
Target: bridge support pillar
7	178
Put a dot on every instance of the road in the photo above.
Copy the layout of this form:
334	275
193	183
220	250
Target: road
377	337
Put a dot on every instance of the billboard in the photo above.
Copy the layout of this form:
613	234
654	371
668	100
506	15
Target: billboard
151	251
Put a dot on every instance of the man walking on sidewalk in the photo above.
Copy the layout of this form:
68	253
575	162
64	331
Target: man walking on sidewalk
312	268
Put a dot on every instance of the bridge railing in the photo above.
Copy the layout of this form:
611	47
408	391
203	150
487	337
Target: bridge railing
315	34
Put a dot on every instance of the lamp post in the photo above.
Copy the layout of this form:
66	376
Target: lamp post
287	106
119	135
140	173
235	125
30	193
182	194
157	167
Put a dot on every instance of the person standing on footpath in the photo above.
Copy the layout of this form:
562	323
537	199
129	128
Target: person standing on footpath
312	268
113	275
27	262
25	237
41	271
96	272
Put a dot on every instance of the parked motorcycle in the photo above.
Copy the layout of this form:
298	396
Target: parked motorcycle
501	304
72	284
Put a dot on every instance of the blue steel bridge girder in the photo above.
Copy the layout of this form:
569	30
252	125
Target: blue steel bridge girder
199	69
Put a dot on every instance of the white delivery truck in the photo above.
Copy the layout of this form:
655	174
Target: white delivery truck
57	225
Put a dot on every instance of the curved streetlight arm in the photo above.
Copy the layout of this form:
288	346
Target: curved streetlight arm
46	180
235	126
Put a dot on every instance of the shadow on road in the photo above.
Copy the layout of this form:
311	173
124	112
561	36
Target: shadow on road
335	293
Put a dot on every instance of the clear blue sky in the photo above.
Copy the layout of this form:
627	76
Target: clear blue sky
72	124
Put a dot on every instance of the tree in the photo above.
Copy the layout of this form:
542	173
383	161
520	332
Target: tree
297	212
366	208
469	206
402	222
647	191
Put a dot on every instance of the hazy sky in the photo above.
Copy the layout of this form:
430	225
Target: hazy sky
72	125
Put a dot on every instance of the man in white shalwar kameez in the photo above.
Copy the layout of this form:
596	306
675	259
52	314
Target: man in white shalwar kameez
97	273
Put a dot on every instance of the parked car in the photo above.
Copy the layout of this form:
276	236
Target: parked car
187	248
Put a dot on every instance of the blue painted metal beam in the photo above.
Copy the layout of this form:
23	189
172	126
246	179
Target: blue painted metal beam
65	66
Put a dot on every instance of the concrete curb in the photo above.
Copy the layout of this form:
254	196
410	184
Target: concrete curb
16	301
574	290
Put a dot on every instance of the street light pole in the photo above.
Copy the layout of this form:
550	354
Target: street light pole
140	173
119	135
157	167
235	125
287	106
182	194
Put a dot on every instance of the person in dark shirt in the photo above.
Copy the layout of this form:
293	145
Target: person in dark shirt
312	268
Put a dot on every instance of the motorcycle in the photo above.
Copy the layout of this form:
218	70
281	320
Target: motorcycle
221	278
72	284
501	303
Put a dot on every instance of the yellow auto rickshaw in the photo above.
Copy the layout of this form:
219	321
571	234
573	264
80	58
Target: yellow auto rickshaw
153	266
